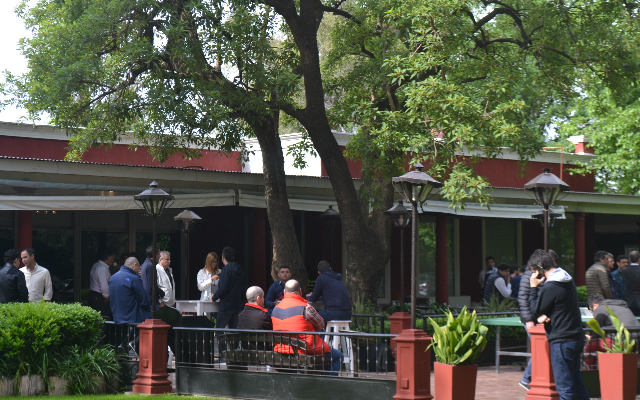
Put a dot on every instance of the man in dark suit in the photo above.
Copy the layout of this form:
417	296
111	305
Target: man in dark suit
230	290
631	278
146	273
13	287
254	315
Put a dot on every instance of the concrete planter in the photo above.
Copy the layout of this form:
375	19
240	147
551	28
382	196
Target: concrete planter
31	385
455	382
6	386
620	372
58	386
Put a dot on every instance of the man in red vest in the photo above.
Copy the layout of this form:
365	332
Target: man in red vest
295	314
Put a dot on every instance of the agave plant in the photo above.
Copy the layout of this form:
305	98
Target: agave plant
460	340
621	343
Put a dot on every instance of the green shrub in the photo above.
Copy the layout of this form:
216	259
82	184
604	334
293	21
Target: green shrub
33	334
80	367
582	293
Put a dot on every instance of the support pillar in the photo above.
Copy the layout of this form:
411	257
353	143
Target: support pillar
152	371
442	260
413	365
25	230
542	384
398	322
580	249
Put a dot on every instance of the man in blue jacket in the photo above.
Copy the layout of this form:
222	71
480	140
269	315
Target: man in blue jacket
128	299
331	289
230	290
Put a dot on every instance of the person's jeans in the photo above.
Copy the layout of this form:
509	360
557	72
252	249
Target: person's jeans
526	377
335	315
565	362
336	360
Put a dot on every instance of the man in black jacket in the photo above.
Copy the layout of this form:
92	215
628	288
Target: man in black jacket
526	316
230	290
13	287
254	315
557	307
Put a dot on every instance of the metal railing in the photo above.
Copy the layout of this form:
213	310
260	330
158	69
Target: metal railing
123	337
362	354
594	344
371	323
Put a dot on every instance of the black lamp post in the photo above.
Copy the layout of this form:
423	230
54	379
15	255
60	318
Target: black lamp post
415	187
187	217
546	187
332	217
401	218
154	200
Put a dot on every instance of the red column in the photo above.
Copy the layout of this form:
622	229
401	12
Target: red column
580	249
442	260
152	371
398	322
413	365
542	385
25	230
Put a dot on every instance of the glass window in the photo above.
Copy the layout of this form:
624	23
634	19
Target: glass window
500	236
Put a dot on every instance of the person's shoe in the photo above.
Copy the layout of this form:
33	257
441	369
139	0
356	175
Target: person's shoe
524	385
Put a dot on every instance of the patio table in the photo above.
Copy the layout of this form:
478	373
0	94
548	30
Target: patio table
196	306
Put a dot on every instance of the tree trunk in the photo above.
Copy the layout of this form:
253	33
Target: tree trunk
286	250
365	254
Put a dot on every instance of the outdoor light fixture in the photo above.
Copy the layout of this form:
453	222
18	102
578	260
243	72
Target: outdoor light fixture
415	187
552	217
330	213
546	187
154	200
401	216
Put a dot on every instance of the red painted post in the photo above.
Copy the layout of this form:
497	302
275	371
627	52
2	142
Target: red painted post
399	321
152	371
543	386
580	249
413	365
25	230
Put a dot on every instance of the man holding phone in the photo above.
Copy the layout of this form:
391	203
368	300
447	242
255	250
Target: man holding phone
556	306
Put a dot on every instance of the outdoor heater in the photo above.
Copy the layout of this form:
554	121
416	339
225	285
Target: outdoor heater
401	217
415	187
154	200
187	217
332	218
546	187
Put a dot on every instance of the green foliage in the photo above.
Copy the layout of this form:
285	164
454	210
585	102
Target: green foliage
460	340
582	293
622	342
34	334
496	305
81	367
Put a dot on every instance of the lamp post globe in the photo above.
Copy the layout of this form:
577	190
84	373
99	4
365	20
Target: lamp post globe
153	200
414	187
546	187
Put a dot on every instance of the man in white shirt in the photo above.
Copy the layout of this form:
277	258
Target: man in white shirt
498	284
165	279
37	278
99	285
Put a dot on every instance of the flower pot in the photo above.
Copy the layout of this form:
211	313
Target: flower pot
619	371
6	386
31	385
58	386
455	382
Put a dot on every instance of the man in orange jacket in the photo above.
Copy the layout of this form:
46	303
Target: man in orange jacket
295	314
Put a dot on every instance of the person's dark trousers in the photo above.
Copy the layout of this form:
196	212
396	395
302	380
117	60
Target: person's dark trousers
336	361
565	362
335	315
225	318
98	303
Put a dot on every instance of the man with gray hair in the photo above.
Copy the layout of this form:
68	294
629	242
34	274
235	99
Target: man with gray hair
254	315
128	299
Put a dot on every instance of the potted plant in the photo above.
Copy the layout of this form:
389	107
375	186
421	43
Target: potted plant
456	346
618	364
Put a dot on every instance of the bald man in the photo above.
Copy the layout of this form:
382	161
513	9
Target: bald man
254	315
295	314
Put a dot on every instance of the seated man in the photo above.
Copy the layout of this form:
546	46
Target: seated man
330	287
295	314
254	315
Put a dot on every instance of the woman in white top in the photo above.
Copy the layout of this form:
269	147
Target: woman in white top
208	277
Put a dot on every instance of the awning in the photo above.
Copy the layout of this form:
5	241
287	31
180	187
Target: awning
514	211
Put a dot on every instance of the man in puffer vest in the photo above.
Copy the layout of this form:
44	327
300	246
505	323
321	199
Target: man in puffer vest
295	314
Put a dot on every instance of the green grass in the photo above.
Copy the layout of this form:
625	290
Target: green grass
120	397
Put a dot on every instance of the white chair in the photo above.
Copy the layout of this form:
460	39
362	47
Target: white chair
342	343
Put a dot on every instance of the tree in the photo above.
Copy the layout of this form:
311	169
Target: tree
172	74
